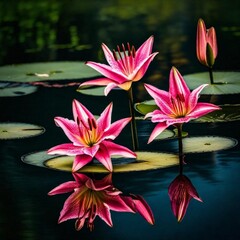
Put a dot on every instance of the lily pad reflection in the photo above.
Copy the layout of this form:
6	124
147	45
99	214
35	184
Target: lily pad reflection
207	144
225	82
19	130
145	161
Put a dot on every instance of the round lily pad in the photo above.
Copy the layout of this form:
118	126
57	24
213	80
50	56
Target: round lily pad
228	113
207	144
19	130
224	82
144	161
46	71
16	89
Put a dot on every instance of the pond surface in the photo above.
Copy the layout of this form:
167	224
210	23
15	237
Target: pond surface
58	31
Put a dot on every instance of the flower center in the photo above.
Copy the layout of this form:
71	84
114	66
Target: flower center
125	58
178	106
88	132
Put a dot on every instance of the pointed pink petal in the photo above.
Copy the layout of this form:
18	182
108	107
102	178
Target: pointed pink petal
202	109
69	127
141	68
177	85
108	72
116	128
91	151
104	213
108	55
159	128
97	82
65	149
80	178
80	161
143	208
109	87
212	40
194	96
116	149
99	185
145	49
81	113
201	42
104	121
161	97
103	157
63	188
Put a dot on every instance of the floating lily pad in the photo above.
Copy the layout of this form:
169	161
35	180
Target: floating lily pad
19	130
93	91
16	89
224	82
228	113
207	144
146	107
144	161
46	71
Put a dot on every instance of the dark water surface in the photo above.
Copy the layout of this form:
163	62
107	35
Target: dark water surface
44	31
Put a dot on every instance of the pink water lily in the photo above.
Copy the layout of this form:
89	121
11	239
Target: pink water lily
91	198
126	65
181	191
206	44
91	138
177	106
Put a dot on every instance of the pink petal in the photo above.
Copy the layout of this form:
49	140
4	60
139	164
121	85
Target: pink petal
69	127
81	113
143	208
104	213
161	97
104	121
63	188
66	149
103	157
80	161
109	87
97	82
116	128
99	185
141	68
116	149
212	40
194	96
144	50
159	128
80	178
202	109
177	85
201	42
108	72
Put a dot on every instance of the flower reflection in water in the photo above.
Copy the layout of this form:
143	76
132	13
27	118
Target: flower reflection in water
93	197
181	191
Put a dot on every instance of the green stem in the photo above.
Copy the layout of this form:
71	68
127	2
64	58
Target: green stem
180	148
211	75
133	121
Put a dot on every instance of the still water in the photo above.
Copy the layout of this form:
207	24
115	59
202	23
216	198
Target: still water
63	31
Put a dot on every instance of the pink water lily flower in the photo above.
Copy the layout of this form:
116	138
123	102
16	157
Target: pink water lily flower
91	138
126	65
177	106
91	198
206	44
181	191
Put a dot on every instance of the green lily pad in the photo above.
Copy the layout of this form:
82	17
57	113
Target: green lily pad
224	82
19	130
16	89
145	107
228	113
144	161
93	91
46	71
207	144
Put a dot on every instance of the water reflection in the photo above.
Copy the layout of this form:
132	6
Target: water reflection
92	197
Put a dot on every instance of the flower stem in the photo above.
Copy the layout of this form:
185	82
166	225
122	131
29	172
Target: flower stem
133	121
180	148
211	75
